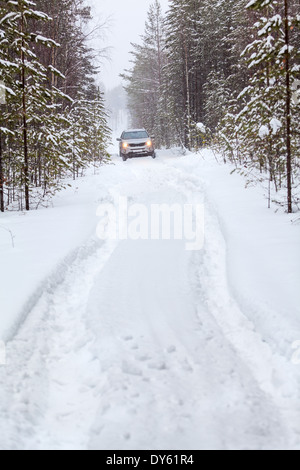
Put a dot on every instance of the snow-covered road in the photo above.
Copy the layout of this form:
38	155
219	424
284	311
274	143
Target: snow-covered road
145	345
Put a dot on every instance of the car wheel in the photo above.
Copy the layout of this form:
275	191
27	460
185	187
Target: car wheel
154	155
124	158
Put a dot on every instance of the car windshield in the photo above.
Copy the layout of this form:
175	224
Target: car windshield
135	135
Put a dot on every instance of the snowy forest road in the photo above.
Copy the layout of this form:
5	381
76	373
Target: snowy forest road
142	345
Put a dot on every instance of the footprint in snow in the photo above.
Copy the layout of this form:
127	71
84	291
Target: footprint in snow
143	358
130	369
171	349
128	338
187	367
158	366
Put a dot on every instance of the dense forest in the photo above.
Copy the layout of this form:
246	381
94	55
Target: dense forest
224	73
53	122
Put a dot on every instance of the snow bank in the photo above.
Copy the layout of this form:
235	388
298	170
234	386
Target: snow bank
263	252
42	240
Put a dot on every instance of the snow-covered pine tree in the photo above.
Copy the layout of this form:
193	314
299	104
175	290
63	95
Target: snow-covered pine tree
265	132
7	70
225	34
201	69
260	121
155	38
36	141
89	134
217	96
180	41
291	69
32	109
100	133
145	79
201	74
74	57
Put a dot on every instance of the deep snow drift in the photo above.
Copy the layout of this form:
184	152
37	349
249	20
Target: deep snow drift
142	344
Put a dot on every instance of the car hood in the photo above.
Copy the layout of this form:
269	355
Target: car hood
137	141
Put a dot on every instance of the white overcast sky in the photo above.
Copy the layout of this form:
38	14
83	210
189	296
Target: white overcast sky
126	24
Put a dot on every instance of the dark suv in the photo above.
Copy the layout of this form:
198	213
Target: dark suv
136	143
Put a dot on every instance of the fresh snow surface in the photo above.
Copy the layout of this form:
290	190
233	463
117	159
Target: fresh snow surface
142	344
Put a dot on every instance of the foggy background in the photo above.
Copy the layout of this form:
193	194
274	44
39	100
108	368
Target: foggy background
125	23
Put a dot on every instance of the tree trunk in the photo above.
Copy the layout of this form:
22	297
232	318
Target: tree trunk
188	98
288	110
1	178
25	140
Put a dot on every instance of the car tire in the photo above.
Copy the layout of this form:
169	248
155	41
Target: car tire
124	158
153	155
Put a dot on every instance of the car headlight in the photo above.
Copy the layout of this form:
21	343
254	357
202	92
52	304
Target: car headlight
125	145
149	143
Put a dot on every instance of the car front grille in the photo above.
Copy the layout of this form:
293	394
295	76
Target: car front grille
143	144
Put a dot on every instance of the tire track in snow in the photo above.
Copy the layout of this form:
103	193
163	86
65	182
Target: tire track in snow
49	374
112	357
188	380
270	370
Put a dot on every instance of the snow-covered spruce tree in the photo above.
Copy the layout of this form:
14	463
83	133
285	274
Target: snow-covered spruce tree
200	71
291	68
74	58
217	96
145	79
10	75
139	89
180	38
78	137
89	134
260	121
201	75
265	130
218	21
99	132
7	70
36	141
237	39
31	110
